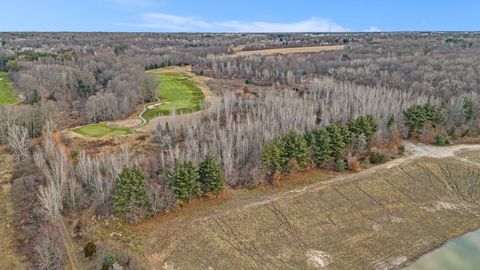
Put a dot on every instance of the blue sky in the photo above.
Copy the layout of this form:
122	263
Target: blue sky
239	16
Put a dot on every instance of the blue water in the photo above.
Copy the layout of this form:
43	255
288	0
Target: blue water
462	253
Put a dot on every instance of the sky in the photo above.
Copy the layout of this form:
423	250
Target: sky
239	16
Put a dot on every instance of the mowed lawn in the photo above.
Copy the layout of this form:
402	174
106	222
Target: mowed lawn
100	130
7	95
176	92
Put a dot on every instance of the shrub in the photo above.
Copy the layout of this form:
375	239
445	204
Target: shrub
131	193
248	81
366	161
183	180
211	175
377	157
401	149
160	198
441	140
452	132
108	260
353	164
341	165
90	249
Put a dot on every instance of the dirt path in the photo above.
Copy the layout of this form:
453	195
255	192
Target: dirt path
416	151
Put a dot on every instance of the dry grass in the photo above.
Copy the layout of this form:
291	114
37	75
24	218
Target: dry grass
380	219
283	51
9	257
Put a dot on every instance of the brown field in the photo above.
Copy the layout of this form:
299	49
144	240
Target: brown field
283	51
9	257
381	218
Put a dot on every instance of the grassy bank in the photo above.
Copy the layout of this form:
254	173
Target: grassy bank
7	95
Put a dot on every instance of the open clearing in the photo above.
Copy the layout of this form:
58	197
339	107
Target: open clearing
381	218
100	130
177	92
283	51
8	251
7	95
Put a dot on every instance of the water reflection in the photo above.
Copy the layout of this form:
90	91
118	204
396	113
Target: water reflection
461	253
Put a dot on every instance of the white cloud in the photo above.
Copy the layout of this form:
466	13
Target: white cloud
169	22
137	3
373	29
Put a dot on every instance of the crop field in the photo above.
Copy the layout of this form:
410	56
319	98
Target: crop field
176	92
7	95
381	221
100	130
283	51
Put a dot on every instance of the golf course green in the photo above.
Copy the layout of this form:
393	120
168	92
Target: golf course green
7	95
176	92
100	130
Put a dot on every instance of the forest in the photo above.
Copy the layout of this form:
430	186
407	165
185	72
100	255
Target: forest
273	116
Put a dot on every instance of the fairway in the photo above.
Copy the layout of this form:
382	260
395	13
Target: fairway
176	92
100	130
7	95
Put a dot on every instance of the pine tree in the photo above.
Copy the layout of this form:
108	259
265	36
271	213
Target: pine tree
271	158
211	175
336	140
294	150
467	108
183	180
319	143
130	191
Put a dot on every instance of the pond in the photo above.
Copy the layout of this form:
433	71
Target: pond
462	253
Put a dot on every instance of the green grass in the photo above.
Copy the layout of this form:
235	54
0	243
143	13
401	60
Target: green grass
7	95
176	92
100	130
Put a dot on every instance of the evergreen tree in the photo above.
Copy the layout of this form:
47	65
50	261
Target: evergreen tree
271	158
35	98
211	175
130	192
294	149
336	140
368	127
183	180
319	143
467	108
417	116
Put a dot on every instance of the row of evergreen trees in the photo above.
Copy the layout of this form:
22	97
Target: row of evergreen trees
189	181
297	151
419	117
186	180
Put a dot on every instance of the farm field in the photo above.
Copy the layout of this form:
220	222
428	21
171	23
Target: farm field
100	130
176	92
283	51
7	95
382	218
